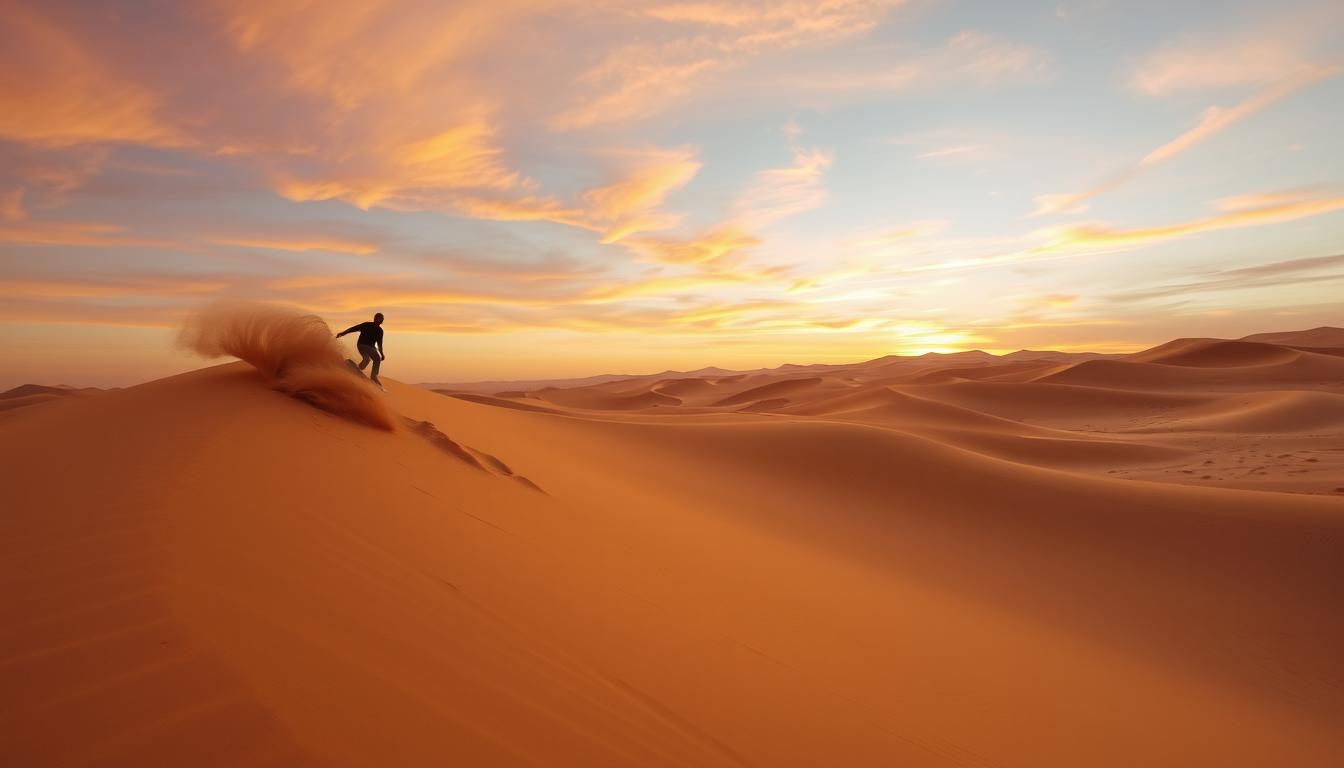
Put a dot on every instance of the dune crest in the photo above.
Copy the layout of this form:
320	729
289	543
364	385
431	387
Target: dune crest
296	353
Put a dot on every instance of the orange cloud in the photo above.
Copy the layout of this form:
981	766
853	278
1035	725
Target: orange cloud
33	232
1217	119
11	205
630	205
632	83
457	168
780	193
1030	307
1273	50
983	58
774	194
724	315
356	52
54	93
967	57
660	285
642	79
141	287
1239	215
713	248
961	149
300	244
902	234
778	23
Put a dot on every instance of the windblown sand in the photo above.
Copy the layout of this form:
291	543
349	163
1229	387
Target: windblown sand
940	561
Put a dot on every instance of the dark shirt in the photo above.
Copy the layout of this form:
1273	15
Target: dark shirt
369	333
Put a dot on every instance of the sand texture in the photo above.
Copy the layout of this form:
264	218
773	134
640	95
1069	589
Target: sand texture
962	560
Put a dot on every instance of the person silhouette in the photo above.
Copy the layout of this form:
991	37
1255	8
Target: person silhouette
369	344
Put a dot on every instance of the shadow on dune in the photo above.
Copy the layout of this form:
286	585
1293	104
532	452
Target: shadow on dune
296	353
466	454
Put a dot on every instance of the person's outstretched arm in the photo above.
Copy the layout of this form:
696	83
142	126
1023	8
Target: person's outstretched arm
351	329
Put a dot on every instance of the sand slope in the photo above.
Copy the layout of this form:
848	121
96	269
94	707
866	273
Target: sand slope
871	574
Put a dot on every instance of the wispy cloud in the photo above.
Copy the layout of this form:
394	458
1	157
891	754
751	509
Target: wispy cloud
780	193
984	59
1277	57
297	243
77	233
969	57
1313	270
1238	212
54	93
700	39
955	151
1269	51
1217	119
1213	121
712	249
632	204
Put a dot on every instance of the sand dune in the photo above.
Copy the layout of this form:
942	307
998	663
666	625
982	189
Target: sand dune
1215	353
683	387
1267	413
770	391
25	395
1217	366
787	568
885	403
1019	371
595	398
1324	336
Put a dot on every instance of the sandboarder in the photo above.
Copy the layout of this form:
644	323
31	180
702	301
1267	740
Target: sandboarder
369	344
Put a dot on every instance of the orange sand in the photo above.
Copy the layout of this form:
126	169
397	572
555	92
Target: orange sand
938	561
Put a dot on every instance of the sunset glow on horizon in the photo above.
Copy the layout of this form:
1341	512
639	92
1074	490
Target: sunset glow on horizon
554	188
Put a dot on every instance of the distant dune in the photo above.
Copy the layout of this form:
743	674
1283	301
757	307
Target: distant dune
1038	559
33	394
1192	411
1324	336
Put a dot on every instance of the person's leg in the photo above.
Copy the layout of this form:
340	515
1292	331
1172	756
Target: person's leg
366	354
377	358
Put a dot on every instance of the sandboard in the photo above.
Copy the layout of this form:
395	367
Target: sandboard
355	367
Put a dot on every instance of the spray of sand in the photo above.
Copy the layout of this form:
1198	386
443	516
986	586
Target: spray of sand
295	352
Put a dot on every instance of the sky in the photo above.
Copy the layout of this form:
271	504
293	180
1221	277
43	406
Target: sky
554	188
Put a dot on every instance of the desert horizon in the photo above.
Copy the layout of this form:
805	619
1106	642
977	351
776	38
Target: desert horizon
643	383
879	561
